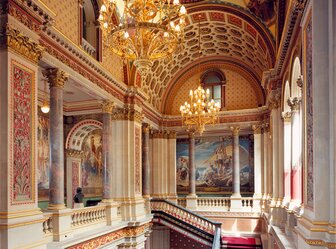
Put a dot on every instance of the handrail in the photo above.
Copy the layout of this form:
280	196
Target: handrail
186	210
200	222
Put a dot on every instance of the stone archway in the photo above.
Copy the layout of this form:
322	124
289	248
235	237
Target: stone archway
74	154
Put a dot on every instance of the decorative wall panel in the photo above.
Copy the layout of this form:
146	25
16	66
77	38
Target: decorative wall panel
22	127
214	164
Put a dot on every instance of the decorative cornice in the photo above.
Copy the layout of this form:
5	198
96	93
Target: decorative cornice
127	113
23	45
235	130
107	106
55	76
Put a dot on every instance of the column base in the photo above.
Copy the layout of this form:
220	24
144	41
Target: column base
53	207
191	202
132	209
61	224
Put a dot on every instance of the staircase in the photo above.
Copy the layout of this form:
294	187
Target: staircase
178	218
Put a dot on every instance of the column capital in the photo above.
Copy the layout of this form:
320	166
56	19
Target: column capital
235	130
55	76
257	128
145	128
172	135
127	113
265	127
294	103
191	133
286	116
107	106
274	99
158	134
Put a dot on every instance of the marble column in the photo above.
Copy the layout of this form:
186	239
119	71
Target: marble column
145	161
192	166
236	162
296	168
257	167
107	108
56	79
192	197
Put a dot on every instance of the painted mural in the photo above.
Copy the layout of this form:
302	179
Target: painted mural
214	164
43	162
92	164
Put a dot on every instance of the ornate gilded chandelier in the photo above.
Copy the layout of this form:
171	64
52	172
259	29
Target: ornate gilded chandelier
201	110
142	30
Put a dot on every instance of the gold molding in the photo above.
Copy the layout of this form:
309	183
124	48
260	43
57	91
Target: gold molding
23	45
172	135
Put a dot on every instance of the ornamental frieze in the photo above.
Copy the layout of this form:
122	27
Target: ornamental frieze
127	113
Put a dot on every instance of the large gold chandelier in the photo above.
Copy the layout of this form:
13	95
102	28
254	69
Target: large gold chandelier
142	30
201	110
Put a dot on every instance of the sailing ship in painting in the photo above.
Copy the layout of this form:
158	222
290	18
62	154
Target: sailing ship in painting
214	164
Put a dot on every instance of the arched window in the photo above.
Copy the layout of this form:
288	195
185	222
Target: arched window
90	31
214	80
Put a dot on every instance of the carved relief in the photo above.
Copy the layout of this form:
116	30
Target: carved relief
22	142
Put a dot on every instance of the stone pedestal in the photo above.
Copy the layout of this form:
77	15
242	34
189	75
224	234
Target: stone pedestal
61	224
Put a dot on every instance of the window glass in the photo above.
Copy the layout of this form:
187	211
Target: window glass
217	92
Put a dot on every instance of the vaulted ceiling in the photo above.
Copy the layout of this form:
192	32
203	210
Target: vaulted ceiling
230	35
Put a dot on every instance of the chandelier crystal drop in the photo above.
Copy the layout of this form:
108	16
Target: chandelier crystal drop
142	30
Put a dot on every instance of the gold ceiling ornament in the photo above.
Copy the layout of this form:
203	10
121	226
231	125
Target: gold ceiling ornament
146	30
200	110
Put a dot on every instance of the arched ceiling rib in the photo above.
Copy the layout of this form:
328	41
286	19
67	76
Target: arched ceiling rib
227	33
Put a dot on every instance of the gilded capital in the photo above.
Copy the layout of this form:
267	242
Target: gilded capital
158	134
265	127
23	45
191	133
55	76
256	129
235	130
107	106
145	128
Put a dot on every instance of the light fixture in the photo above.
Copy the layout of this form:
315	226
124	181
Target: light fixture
45	105
201	110
142	30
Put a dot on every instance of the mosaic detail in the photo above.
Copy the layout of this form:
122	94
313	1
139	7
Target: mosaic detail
22	130
310	117
137	161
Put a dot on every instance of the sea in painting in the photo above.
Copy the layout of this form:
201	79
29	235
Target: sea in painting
213	159
92	167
